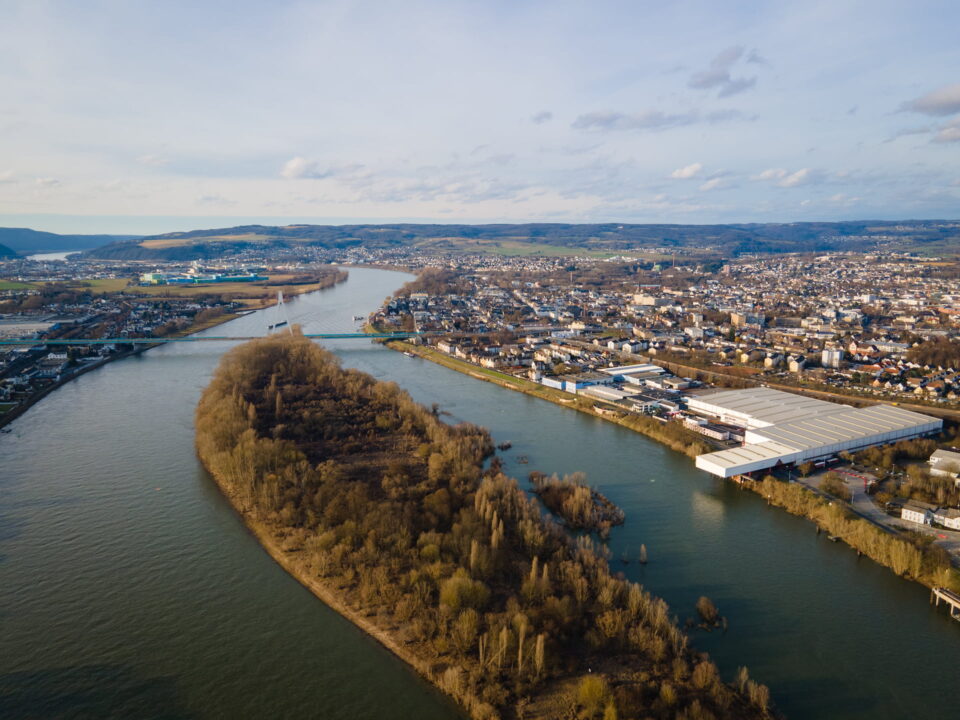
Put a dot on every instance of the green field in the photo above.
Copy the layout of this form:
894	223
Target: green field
171	242
513	248
946	248
105	285
250	294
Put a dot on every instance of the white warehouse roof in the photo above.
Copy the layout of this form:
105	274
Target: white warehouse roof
849	425
760	407
746	458
633	369
801	428
606	393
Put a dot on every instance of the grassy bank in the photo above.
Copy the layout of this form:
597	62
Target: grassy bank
673	435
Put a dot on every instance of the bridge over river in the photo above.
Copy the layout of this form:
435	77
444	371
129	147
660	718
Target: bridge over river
209	338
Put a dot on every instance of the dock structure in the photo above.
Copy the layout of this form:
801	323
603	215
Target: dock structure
948	596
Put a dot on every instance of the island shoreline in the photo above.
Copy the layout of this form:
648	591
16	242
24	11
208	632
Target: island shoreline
328	596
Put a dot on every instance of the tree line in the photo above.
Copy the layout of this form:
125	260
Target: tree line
914	556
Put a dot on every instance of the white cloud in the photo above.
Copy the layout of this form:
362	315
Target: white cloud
905	132
736	85
154	160
800	177
687	172
718	74
7	177
653	120
771	174
786	179
298	167
942	101
47	182
843	200
716	183
214	199
269	162
646	120
949	133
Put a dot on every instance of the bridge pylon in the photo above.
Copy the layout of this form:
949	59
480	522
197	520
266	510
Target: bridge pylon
283	319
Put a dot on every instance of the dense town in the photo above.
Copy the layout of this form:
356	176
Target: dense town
878	326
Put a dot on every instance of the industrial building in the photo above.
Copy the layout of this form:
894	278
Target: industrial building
782	428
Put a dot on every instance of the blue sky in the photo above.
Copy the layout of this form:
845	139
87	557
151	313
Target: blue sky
127	116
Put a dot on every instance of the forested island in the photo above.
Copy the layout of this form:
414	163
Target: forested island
580	506
387	514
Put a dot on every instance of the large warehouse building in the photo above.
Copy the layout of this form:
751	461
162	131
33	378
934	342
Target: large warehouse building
783	428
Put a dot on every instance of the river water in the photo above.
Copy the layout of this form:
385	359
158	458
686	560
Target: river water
129	588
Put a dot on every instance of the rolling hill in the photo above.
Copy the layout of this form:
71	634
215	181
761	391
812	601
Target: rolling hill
28	242
6	252
547	238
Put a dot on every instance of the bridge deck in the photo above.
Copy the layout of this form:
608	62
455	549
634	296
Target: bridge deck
206	338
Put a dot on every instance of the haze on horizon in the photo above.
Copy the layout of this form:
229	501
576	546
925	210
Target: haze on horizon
155	116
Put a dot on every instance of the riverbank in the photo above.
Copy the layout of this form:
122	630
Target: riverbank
294	563
673	436
905	558
24	405
918	560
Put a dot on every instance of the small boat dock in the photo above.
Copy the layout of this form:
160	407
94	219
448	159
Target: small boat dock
949	597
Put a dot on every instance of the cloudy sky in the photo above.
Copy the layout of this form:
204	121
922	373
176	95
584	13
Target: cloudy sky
126	116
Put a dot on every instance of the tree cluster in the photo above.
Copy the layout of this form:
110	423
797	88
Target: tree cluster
580	506
833	484
885	457
926	487
937	352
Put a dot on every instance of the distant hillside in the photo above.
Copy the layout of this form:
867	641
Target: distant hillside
6	252
546	238
28	242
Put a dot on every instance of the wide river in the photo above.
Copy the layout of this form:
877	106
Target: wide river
129	588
